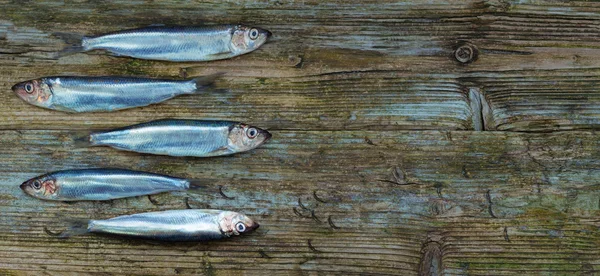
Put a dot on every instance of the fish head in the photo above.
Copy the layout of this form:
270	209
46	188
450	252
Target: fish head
247	39
35	92
42	187
243	137
233	223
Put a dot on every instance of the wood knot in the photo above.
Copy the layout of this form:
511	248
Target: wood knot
466	53
498	5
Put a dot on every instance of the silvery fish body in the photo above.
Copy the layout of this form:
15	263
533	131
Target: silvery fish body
183	138
175	43
176	225
100	184
89	94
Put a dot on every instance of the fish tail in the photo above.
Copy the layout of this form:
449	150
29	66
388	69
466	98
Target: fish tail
75	41
82	140
205	83
70	50
76	227
70	38
197	184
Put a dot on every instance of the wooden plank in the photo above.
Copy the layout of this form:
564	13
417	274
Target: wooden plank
543	101
516	101
373	167
392	68
308	103
472	186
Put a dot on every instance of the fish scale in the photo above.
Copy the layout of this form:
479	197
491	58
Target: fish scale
173	43
91	94
169	137
103	184
165	43
174	225
107	93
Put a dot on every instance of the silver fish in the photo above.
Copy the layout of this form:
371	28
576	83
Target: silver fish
173	43
181	138
89	94
174	225
101	184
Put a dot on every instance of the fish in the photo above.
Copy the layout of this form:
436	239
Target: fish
106	93
177	137
172	43
101	184
173	225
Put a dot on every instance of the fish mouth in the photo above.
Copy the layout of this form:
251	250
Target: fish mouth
268	136
17	87
23	186
268	33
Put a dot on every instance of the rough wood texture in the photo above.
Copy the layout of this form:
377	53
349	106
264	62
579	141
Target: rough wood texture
390	156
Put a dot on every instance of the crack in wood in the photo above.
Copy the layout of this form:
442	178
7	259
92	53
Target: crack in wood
311	216
318	198
311	247
399	175
431	259
399	178
480	110
50	233
154	201
223	194
314	217
489	199
308	259
506	52
438	189
202	205
300	62
465	172
331	223
263	254
302	205
368	141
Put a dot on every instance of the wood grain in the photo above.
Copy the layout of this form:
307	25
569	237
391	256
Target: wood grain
363	65
389	155
470	186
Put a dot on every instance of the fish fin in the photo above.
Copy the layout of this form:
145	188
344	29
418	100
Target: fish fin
222	55
70	50
75	41
69	38
220	151
205	83
198	184
82	140
76	227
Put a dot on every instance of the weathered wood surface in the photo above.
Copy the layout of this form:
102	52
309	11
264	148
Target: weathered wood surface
358	96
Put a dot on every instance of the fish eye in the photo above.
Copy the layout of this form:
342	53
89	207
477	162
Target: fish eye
240	227
253	34
252	133
29	88
36	184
